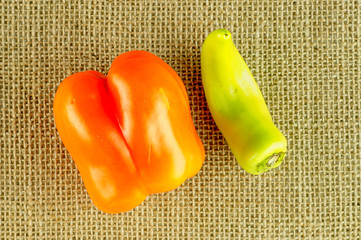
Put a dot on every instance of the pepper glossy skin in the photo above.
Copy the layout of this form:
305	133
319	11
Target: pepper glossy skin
131	133
238	107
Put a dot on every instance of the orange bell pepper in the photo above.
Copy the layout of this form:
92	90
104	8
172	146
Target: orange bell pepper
131	133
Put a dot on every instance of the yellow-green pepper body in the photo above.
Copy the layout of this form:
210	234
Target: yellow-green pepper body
238	107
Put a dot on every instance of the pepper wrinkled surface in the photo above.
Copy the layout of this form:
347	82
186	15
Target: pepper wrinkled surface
131	133
238	107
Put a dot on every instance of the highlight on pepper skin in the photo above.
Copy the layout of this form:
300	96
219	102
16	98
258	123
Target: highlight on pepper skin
130	133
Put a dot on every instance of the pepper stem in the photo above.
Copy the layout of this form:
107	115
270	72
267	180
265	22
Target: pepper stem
272	161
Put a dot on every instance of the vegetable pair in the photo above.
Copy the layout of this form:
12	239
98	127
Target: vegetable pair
131	134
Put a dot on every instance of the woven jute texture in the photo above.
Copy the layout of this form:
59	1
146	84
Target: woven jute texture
305	56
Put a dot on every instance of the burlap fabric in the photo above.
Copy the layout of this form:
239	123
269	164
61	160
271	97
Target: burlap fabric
305	55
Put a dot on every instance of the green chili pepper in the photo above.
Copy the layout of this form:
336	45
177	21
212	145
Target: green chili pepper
238	107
